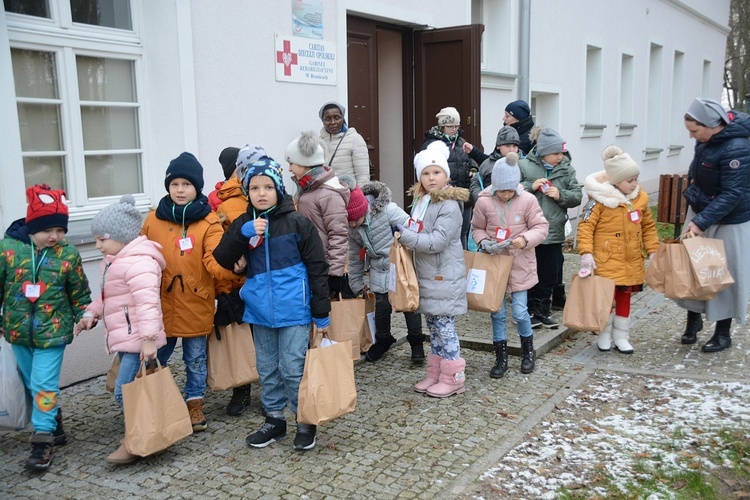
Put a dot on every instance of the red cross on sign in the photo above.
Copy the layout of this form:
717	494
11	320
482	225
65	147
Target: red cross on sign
286	57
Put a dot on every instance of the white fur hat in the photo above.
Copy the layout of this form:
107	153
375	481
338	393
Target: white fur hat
437	154
618	165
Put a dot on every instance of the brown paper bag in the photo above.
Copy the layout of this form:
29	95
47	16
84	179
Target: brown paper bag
403	287
231	357
709	263
486	280
655	270
589	303
679	279
156	416
114	370
366	338
347	321
327	389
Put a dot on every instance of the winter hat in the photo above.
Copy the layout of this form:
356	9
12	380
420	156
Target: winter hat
185	166
228	160
507	135
618	165
268	167
47	208
708	112
550	142
247	156
505	174
329	105
519	110
358	205
448	116
119	221
305	151
437	154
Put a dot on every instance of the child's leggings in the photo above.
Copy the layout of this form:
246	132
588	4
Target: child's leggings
443	336
40	370
622	303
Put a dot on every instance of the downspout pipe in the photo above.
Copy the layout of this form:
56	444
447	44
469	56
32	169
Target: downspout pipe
524	50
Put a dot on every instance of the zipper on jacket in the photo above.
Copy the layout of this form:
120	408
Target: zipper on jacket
127	318
31	324
268	270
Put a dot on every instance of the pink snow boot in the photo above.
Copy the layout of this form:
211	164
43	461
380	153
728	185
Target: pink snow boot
433	373
451	379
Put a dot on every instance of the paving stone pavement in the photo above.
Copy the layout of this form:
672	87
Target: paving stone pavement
396	444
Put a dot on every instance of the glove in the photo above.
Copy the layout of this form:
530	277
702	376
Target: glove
587	265
335	285
493	247
248	229
486	245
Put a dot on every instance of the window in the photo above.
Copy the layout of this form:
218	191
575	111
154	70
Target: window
593	93
627	83
77	97
653	103
706	82
676	111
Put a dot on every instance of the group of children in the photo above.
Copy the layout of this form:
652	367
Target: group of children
286	258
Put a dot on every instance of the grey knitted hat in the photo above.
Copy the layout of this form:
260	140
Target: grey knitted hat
120	221
550	142
505	174
305	151
507	135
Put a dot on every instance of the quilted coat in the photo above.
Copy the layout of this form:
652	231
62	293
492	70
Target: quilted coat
352	156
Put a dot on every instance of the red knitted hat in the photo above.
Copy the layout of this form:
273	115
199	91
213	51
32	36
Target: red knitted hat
358	205
46	208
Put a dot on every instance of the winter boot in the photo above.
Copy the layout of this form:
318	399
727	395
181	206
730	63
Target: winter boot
604	342
380	347
558	297
694	325
501	359
543	315
528	356
433	373
197	418
620	334
722	337
451	380
272	430
305	438
240	400
417	348
60	437
42	444
121	456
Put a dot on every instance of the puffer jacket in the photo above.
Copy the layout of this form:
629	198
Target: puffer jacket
563	177
370	243
233	204
48	321
187	284
438	254
287	275
719	192
523	217
323	200
459	162
130	301
607	231
352	156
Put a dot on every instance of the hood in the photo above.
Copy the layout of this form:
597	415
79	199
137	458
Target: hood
18	231
598	188
141	247
230	189
380	192
445	194
738	127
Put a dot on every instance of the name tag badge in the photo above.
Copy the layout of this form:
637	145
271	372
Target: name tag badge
544	187
415	225
255	241
635	215
185	244
502	234
33	291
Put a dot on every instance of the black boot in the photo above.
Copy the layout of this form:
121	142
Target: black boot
417	348
534	305
381	346
240	400
501	359
60	437
721	339
543	315
528	357
558	297
42	444
694	325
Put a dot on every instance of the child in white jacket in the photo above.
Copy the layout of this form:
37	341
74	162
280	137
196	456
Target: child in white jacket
129	302
508	220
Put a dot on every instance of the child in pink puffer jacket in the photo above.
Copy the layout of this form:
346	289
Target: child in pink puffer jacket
130	300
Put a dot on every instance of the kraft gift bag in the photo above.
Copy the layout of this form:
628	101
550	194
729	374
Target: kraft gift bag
231	357
403	287
709	262
486	280
589	303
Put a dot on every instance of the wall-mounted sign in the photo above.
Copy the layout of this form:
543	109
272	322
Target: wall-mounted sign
305	61
307	18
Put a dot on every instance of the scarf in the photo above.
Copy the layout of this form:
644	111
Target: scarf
185	214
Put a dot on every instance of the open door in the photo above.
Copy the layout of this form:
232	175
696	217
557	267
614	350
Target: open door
447	65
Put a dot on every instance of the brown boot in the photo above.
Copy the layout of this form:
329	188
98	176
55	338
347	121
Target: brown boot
121	456
197	418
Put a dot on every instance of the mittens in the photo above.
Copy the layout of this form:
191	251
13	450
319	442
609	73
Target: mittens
587	265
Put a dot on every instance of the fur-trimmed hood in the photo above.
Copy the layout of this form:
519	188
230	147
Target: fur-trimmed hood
380	192
445	194
598	188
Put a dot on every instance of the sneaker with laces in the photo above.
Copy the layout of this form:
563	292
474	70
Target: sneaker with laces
545	321
305	438
42	444
535	321
272	430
